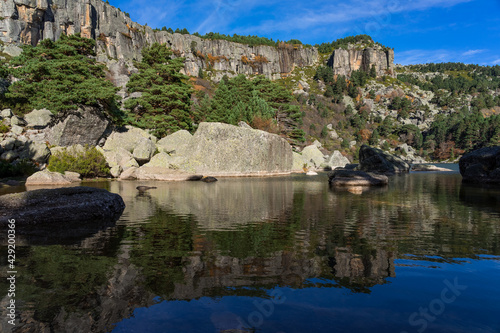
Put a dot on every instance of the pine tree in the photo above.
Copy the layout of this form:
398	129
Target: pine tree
60	76
165	103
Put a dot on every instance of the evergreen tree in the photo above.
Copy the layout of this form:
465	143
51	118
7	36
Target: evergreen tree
60	76
165	103
373	141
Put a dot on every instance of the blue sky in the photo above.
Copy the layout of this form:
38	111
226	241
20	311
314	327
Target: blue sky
420	31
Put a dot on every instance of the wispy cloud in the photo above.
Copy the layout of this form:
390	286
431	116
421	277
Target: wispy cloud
424	56
441	55
472	52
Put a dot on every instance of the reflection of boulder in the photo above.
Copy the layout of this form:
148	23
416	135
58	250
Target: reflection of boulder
484	197
213	204
481	166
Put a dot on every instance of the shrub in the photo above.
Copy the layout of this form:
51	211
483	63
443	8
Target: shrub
89	163
4	128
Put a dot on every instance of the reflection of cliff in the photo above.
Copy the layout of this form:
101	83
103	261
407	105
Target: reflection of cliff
63	289
243	237
225	204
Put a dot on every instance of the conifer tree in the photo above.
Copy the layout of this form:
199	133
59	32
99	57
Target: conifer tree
60	76
165	103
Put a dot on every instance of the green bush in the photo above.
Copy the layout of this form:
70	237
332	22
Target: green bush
90	163
4	128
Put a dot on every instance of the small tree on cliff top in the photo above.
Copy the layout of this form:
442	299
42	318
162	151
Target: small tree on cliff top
166	97
60	75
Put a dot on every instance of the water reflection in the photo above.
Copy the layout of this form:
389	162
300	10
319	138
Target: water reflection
242	237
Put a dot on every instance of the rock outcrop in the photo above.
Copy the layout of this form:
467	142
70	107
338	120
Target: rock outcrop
47	177
344	177
344	61
227	150
378	161
71	205
481	166
83	126
119	38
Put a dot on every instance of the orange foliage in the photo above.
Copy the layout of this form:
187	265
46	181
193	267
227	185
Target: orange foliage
377	98
200	55
365	134
265	125
259	58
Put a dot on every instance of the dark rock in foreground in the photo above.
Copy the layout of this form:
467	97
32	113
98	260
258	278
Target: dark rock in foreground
481	166
379	161
62	207
344	177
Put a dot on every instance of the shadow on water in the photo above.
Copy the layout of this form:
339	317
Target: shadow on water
485	197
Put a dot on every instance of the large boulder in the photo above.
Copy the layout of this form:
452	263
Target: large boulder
127	138
37	152
144	150
343	177
313	156
336	160
47	177
68	206
379	161
481	166
222	149
84	126
120	159
38	118
175	143
298	162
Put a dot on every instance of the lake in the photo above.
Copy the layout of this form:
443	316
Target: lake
280	254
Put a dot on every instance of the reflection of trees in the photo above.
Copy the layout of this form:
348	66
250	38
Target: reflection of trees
159	248
304	235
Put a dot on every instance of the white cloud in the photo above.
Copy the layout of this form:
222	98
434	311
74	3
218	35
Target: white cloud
472	52
496	62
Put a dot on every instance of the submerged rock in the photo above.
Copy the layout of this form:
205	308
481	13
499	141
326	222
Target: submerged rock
481	166
344	177
379	161
67	206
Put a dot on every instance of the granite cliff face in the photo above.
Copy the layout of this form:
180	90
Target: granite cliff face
120	40
344	61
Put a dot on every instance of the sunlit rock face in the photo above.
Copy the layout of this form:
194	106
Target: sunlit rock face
119	38
344	61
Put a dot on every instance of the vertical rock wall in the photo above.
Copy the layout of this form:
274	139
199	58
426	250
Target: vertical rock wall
344	61
119	38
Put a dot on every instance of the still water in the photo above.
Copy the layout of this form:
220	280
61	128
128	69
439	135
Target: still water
285	254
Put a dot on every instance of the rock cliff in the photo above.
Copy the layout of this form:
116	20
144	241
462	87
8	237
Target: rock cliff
118	37
344	61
